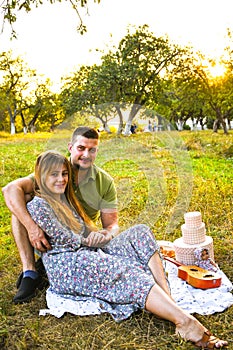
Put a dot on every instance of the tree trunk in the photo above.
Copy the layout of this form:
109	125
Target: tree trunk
219	121
25	129
106	128
31	124
216	125
12	121
224	126
127	127
120	127
13	128
134	110
180	124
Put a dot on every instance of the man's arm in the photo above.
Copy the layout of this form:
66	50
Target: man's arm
109	219
15	194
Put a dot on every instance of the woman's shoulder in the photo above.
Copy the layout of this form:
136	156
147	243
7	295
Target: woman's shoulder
37	202
38	199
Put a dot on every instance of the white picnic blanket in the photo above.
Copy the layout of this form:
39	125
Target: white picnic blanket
193	300
203	302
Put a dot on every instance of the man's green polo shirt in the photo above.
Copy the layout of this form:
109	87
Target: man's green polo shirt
96	192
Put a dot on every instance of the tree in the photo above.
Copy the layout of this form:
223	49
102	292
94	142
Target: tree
17	79
25	95
3	114
143	60
45	110
196	94
149	72
10	9
182	97
72	93
218	95
128	76
86	90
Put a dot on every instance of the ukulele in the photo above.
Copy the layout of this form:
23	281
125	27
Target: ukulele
196	276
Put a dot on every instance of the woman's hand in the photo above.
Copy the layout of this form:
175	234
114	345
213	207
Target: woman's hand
97	239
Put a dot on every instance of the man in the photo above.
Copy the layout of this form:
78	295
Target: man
93	187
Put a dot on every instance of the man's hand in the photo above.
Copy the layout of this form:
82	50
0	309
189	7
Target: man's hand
38	239
97	239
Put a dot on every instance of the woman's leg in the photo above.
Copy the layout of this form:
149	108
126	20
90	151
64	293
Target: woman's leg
139	244
188	327
157	269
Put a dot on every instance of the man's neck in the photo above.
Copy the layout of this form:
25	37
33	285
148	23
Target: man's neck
80	175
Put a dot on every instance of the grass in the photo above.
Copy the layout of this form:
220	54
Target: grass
159	177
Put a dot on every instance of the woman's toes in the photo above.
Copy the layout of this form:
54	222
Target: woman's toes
220	343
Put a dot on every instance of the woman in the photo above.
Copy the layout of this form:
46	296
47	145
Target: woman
127	273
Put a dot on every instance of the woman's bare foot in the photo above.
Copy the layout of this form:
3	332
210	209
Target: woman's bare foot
209	341
191	329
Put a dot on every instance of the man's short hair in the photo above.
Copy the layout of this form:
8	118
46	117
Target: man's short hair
85	131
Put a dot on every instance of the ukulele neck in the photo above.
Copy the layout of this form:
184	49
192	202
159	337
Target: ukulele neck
177	263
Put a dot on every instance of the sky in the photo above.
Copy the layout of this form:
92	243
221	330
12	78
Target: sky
49	42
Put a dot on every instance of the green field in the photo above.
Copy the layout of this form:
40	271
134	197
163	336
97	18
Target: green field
159	177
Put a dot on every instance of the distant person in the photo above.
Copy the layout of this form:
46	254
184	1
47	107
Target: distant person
133	128
93	187
125	272
154	126
150	126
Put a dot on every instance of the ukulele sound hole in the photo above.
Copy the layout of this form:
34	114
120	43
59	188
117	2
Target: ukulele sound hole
208	276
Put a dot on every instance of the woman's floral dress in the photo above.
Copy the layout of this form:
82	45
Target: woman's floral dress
116	275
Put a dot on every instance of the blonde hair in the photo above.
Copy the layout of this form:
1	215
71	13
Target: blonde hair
45	163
